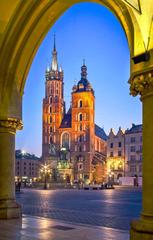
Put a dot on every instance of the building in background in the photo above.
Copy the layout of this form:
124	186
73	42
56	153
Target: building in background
73	144
124	153
27	167
115	155
133	151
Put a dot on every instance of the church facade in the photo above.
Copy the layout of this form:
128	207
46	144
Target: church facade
72	143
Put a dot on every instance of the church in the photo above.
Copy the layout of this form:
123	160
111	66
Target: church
73	145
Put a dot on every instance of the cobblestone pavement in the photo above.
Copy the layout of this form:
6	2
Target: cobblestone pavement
108	208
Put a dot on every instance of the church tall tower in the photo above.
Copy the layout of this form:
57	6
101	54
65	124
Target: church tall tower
53	108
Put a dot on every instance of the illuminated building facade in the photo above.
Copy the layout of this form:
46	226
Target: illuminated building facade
115	155
72	138
26	166
124	153
133	150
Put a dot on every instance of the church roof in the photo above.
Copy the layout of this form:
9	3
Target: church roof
99	132
66	122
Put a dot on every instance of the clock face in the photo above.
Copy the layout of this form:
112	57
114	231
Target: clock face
134	3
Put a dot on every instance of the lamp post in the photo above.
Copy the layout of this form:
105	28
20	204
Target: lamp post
45	170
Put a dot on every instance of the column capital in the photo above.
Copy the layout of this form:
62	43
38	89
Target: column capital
10	125
141	84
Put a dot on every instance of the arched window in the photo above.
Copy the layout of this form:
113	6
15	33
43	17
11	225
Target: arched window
50	119
66	140
50	109
80	117
80	104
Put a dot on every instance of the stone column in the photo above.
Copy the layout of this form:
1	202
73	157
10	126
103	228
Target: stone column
142	229
8	206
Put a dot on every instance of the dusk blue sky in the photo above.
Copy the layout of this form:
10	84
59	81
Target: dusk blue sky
89	31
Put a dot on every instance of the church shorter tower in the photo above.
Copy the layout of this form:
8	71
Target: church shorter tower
83	127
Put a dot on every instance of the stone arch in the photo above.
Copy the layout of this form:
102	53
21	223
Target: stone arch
24	34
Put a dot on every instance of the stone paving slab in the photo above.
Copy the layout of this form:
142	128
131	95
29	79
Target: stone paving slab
36	228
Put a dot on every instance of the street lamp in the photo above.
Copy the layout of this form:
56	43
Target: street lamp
110	175
45	170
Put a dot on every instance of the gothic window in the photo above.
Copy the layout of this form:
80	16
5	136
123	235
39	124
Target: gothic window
51	129
50	119
65	140
80	104
84	148
50	109
119	144
80	117
80	148
75	148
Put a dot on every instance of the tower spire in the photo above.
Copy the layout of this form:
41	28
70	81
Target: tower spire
54	42
54	66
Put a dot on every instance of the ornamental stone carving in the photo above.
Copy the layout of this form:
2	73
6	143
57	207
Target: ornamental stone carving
141	84
12	124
